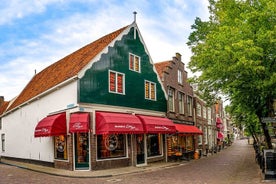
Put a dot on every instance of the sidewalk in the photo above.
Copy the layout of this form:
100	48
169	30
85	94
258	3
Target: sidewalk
92	174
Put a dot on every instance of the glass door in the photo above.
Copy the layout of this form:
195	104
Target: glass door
140	149
81	151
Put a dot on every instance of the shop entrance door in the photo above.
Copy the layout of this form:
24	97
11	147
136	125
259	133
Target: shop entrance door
140	149
81	151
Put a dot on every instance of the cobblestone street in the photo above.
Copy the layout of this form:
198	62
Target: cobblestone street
234	165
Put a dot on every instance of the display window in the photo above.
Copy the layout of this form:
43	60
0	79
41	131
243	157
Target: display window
60	143
176	145
154	144
111	146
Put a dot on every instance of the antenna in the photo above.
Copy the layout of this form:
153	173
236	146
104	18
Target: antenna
134	13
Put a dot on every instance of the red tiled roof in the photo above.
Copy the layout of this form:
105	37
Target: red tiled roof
161	67
64	69
3	107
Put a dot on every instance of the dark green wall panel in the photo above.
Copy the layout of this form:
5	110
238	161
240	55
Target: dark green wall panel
93	86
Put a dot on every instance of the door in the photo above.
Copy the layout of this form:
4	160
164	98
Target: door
140	149
81	151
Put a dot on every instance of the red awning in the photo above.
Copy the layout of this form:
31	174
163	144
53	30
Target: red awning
79	122
53	125
187	129
218	120
154	124
115	123
220	136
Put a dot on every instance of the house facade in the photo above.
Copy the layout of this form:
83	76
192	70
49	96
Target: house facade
179	108
103	106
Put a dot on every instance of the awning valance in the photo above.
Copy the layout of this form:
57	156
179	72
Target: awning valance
218	120
79	122
52	125
117	123
187	129
153	124
220	136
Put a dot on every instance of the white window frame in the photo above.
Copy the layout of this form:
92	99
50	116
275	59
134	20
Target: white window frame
181	103
200	136
198	109
134	62
150	97
189	105
171	108
116	86
204	112
180	77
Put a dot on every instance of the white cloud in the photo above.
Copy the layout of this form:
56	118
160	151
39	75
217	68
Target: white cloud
164	34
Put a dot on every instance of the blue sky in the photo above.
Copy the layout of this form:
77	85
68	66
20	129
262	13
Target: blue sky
37	33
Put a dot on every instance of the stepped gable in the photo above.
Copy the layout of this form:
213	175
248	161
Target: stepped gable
64	69
161	67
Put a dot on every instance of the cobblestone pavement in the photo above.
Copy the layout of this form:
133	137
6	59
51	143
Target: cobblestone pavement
234	165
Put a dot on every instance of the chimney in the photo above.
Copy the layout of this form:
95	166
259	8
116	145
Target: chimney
1	100
178	56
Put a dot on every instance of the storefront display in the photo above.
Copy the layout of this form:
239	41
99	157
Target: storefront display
154	144
60	147
111	146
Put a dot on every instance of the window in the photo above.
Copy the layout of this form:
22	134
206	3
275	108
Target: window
134	62
198	109
179	77
0	123
189	106
150	90
200	137
209	115
205	135
181	102
154	144
116	82
171	99
204	112
3	142
111	146
61	147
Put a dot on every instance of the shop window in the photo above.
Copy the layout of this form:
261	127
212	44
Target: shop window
150	90
134	62
116	82
189	106
171	99
154	144
3	142
111	146
181	102
61	147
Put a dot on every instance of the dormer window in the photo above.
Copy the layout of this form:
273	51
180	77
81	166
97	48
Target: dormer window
134	63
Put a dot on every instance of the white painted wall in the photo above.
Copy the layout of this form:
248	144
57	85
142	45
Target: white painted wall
19	125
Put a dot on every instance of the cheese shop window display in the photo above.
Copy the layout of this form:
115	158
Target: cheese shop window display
60	147
111	146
